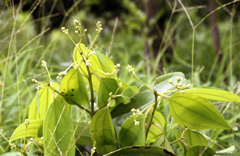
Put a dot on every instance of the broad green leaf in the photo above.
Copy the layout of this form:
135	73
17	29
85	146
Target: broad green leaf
67	105
163	142
34	130
98	61
41	102
215	94
58	132
193	138
154	131
108	85
141	151
82	134
131	134
195	112
102	131
200	150
74	88
145	97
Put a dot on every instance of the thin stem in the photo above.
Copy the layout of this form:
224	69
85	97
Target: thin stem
181	137
185	10
193	39
142	82
93	42
153	111
69	99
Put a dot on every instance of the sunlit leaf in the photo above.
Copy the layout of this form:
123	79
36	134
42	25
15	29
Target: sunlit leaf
215	94
34	129
131	134
73	87
102	131
163	142
58	132
195	112
99	62
41	102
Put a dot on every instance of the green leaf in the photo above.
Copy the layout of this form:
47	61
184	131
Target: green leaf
98	61
154	131
34	130
198	150
41	102
102	131
215	94
58	132
141	151
82	134
108	85
163	142
145	97
196	112
74	88
193	138
131	134
62	100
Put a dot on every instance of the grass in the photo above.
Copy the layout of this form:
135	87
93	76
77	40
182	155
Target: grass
22	50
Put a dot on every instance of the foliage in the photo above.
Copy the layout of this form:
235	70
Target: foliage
144	133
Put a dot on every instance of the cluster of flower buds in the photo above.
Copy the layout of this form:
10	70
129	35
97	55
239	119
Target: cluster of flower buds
99	27
130	69
64	30
78	28
61	74
136	113
27	122
179	84
40	84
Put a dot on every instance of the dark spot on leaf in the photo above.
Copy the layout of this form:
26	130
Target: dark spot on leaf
167	152
64	89
147	147
100	136
72	95
92	130
62	92
72	89
135	147
95	130
66	94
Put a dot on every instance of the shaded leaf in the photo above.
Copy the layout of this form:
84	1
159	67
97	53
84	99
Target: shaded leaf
198	150
74	88
215	94
163	142
141	151
196	112
131	134
102	131
82	134
58	132
145	97
108	85
34	130
154	131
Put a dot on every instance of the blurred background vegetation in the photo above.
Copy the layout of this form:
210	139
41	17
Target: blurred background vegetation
154	36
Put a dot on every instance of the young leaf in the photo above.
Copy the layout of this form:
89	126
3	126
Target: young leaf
41	102
98	63
58	132
141	151
34	129
102	131
108	85
154	131
131	134
215	94
195	112
74	88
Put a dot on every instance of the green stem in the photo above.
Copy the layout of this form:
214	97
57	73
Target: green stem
91	89
154	108
69	99
180	138
143	83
